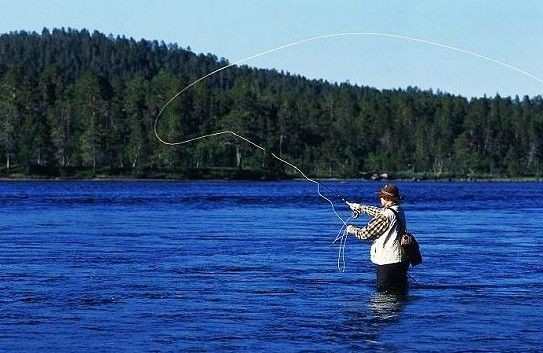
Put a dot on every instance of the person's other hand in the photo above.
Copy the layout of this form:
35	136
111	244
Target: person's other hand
351	229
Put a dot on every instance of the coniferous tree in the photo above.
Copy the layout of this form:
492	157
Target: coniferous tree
91	111
8	117
136	142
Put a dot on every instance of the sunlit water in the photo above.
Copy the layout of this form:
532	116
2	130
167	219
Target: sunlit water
249	267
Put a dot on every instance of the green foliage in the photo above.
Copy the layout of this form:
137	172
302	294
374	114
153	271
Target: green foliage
8	120
75	103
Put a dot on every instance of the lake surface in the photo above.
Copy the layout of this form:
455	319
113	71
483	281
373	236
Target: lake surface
249	267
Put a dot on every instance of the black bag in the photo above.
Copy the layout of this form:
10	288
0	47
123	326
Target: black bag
409	243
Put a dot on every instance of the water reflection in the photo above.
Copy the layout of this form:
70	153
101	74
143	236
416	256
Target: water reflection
386	307
364	325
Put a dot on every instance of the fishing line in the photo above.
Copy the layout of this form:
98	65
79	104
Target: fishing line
337	35
342	235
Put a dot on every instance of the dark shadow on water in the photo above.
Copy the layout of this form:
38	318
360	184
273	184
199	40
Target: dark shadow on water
386	307
365	321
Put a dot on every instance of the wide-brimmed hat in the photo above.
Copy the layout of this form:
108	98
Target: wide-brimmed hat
390	192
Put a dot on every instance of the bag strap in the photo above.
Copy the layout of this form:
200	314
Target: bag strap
402	225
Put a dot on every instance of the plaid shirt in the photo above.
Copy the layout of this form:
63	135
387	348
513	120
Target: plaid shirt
375	227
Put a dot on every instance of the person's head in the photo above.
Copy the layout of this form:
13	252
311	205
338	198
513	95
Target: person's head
389	195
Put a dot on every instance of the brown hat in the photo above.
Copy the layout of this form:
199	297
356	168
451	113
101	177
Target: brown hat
390	192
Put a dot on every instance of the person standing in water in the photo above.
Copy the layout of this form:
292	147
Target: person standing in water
385	230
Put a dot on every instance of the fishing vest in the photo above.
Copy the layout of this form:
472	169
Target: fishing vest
387	248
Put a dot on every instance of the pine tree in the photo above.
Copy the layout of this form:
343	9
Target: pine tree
8	117
136	142
91	111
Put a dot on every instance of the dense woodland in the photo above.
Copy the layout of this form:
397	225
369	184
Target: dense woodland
81	104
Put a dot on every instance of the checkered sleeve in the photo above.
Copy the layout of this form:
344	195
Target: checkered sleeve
373	230
371	210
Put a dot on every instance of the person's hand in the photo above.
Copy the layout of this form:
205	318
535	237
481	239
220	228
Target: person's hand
351	229
355	207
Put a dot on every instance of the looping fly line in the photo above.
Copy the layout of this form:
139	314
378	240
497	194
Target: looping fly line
342	235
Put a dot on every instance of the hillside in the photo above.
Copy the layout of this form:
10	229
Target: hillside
81	104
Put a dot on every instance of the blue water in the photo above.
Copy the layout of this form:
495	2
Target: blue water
249	267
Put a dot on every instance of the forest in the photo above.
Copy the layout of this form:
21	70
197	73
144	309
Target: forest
77	104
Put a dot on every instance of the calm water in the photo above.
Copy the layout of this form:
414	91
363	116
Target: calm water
249	267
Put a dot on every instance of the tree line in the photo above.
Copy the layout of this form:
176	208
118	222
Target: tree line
75	103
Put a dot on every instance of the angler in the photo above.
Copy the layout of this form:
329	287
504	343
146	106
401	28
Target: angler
385	229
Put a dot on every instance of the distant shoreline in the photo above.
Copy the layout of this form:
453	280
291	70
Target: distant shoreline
174	179
236	174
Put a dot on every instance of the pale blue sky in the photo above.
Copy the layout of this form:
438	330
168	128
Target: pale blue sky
510	31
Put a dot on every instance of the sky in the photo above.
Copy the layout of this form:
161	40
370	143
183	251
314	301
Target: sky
507	31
